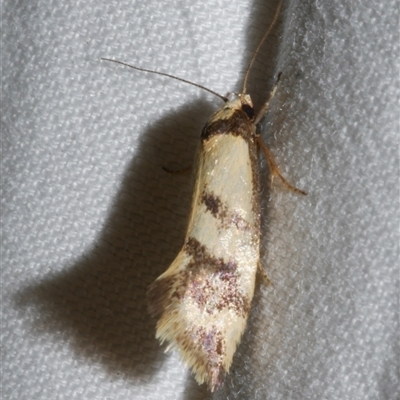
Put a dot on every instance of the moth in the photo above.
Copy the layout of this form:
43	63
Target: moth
203	299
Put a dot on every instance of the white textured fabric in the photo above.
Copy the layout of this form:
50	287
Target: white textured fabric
90	219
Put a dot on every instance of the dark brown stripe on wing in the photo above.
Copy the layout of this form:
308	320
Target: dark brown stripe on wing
239	124
207	281
221	212
211	282
211	342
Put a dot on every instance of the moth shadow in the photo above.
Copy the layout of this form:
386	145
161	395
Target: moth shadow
99	302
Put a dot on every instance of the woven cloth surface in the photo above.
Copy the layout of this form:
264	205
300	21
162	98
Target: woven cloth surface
90	218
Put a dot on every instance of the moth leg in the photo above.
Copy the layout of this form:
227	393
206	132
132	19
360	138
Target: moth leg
177	171
263	274
265	107
273	167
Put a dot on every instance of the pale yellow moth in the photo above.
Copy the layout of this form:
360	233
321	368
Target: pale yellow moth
204	298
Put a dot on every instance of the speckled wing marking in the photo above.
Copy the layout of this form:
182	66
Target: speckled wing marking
203	299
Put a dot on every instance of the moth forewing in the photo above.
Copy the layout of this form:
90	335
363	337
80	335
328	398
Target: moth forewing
203	299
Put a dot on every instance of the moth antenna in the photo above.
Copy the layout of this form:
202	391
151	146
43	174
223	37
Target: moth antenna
246	76
225	99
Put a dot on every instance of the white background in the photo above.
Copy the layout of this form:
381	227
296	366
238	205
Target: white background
90	219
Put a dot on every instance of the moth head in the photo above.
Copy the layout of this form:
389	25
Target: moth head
241	102
247	105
